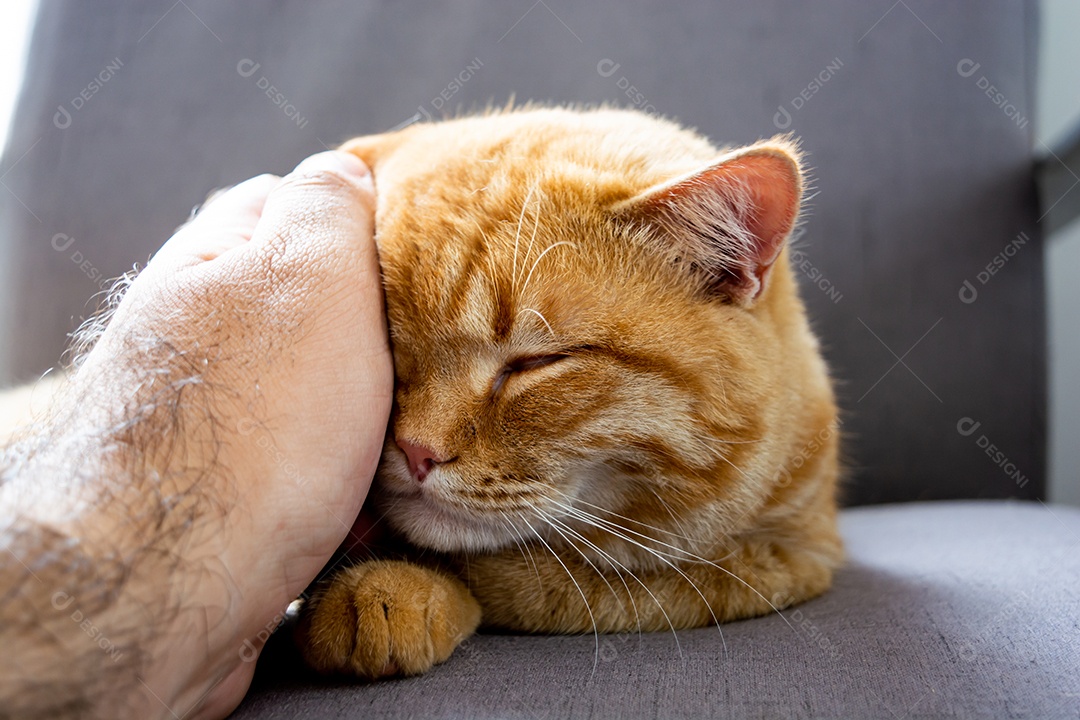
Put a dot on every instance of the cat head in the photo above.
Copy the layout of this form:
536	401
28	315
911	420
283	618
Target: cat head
589	313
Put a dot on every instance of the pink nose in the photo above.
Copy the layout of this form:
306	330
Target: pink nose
421	459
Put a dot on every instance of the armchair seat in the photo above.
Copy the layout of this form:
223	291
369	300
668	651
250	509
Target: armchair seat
945	609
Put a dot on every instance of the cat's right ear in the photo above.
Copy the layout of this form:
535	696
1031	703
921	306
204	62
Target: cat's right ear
728	220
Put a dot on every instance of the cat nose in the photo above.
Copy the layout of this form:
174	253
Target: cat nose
421	459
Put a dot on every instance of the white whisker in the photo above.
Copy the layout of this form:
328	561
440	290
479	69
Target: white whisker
555	524
541	257
671	512
602	524
536	226
584	557
660	556
517	235
570	498
616	565
524	547
584	599
542	318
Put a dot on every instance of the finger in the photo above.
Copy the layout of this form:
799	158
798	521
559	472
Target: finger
241	202
226	222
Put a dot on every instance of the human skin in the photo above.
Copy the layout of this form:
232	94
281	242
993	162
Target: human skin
203	461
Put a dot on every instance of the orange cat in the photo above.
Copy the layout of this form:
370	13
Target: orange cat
611	413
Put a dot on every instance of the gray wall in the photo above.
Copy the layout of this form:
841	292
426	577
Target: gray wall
1058	116
16	23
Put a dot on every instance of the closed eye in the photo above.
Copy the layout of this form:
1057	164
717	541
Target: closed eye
534	362
524	364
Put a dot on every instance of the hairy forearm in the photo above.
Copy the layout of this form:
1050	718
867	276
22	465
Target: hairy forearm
74	644
148	540
102	506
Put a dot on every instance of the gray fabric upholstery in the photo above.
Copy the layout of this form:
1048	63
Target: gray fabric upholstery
921	178
963	609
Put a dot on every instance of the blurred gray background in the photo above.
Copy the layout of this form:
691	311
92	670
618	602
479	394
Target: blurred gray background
921	182
1056	127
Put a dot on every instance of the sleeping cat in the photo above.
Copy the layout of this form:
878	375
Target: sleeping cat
611	413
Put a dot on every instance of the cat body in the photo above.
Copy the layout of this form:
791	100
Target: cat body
611	413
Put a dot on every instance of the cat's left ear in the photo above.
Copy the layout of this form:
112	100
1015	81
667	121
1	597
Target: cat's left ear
730	219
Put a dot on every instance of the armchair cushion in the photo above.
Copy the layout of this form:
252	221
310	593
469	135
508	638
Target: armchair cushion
946	609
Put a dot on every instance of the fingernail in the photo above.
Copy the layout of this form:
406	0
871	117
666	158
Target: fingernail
345	163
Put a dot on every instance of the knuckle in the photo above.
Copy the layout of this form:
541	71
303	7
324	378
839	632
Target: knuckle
317	181
308	207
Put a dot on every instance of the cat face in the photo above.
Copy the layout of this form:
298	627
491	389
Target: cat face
586	317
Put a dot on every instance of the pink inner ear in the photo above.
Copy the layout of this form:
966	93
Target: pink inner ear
759	191
773	184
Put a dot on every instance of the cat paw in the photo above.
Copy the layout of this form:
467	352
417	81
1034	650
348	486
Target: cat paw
383	618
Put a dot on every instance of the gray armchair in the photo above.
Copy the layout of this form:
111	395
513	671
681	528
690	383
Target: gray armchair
921	260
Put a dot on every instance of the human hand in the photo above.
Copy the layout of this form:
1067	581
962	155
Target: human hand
246	380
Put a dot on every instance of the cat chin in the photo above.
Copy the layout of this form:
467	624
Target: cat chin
428	526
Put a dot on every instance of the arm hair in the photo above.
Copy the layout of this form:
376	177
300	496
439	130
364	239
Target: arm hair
76	616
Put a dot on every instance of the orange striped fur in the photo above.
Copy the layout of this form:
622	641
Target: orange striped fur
597	332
